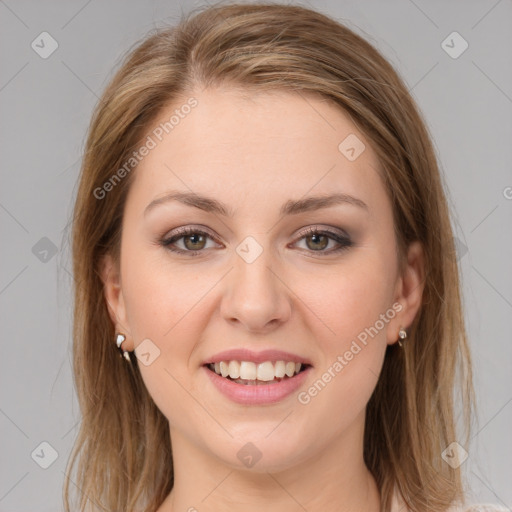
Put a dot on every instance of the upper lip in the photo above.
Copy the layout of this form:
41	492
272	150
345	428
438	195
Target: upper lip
244	354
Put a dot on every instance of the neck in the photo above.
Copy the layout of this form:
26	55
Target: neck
333	480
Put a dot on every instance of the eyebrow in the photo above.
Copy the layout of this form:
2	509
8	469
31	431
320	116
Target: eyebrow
290	207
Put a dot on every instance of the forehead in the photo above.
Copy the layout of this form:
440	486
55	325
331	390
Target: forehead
275	145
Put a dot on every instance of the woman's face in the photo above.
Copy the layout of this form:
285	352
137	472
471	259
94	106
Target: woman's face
249	276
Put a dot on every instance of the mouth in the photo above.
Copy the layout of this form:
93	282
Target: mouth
249	373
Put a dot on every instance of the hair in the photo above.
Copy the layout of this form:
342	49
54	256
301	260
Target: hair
122	453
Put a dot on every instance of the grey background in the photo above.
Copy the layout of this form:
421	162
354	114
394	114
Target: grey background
46	106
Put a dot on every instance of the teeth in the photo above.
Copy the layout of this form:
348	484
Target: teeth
265	371
249	371
224	369
280	369
234	369
290	369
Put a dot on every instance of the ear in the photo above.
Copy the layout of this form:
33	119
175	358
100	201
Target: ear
111	277
409	291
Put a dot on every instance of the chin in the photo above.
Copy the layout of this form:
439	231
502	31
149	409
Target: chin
259	454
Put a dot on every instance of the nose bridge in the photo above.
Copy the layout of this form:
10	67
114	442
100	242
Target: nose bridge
253	266
255	294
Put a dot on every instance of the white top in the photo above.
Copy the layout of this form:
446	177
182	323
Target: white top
399	506
481	507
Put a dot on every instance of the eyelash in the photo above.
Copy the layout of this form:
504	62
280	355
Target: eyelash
345	243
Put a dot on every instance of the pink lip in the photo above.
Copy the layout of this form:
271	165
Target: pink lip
245	354
257	395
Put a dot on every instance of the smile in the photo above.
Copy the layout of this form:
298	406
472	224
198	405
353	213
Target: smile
249	373
254	386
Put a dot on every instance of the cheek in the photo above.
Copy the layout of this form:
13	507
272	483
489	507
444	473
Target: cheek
355	308
353	299
156	296
160	307
166	306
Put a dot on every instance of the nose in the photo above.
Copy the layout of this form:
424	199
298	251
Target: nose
256	295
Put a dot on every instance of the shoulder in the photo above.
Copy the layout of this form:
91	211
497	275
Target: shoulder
399	506
481	507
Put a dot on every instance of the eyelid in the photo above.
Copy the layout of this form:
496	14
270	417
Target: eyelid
184	230
318	228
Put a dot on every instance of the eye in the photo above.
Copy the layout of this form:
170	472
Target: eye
318	239
194	241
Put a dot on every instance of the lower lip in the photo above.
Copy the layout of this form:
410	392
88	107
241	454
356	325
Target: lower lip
257	395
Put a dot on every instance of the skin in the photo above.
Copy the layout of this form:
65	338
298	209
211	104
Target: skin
254	152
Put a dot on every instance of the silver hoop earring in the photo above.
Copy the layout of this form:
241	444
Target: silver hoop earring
119	341
402	335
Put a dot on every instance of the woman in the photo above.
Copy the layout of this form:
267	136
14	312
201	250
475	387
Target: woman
261	230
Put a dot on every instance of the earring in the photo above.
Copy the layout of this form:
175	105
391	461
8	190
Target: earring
402	335
119	340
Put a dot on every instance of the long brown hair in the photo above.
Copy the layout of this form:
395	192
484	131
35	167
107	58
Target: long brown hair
122	453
